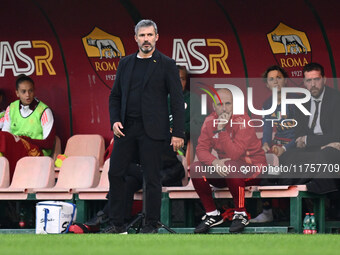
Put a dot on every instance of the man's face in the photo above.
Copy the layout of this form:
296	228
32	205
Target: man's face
25	92
314	82
183	78
146	39
227	102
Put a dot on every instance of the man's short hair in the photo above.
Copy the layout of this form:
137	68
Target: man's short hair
146	23
179	67
313	67
21	78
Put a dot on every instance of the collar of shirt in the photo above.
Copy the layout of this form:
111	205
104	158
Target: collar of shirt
26	110
317	129
141	57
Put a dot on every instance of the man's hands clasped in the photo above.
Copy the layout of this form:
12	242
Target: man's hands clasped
219	165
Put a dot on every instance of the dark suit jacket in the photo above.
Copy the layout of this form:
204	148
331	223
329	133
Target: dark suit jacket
329	120
161	79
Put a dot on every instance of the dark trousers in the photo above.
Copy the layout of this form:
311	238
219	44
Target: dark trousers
133	183
315	182
135	144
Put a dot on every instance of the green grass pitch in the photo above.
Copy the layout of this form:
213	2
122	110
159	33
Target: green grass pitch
212	244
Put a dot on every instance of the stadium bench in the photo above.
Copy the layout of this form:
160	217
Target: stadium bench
95	193
99	192
86	145
186	193
4	172
296	193
76	172
30	173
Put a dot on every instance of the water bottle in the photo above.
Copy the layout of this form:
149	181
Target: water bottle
313	224
306	225
22	222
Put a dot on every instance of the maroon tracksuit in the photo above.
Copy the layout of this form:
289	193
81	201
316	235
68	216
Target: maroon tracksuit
239	143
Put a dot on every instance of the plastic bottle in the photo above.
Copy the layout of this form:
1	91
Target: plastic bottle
306	225
313	224
22	222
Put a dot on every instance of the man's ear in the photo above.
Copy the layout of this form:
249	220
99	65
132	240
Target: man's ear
17	93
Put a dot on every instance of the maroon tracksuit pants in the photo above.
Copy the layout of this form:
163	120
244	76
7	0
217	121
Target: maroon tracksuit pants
235	185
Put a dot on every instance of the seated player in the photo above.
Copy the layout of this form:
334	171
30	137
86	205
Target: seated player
237	147
284	139
28	127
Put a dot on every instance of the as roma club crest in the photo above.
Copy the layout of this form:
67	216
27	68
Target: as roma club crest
291	49
104	52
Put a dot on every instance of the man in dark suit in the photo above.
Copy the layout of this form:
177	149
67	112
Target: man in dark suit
316	133
139	119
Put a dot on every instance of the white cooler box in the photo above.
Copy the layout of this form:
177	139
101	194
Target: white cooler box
54	217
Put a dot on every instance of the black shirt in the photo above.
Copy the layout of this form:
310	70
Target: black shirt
134	106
